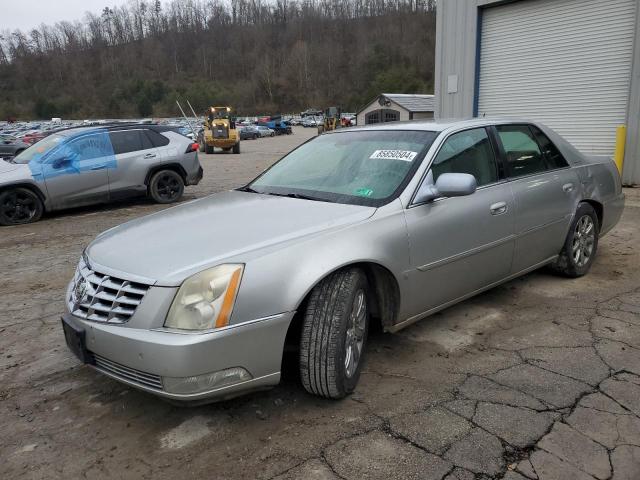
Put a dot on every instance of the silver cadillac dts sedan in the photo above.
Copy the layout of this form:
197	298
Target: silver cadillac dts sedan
382	224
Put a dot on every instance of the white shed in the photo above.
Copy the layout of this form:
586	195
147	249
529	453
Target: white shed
393	107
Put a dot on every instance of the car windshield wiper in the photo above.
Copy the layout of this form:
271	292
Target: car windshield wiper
247	189
298	196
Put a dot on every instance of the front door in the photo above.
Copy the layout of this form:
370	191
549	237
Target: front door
75	172
461	245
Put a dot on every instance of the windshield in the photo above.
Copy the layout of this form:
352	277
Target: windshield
39	148
357	167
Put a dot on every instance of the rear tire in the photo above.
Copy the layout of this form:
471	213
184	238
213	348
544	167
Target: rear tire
166	186
19	206
236	148
581	244
334	334
209	149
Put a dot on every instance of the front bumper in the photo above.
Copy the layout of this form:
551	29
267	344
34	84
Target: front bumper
142	358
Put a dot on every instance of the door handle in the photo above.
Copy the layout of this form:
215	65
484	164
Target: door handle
567	187
150	155
99	167
498	208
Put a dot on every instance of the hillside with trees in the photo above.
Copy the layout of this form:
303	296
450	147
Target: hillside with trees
257	55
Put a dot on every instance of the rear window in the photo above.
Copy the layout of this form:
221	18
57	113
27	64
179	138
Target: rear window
126	141
551	153
157	139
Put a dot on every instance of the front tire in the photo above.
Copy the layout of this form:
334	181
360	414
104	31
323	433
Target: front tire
19	206
166	186
334	334
581	244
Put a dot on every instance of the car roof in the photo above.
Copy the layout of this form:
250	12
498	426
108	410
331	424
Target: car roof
441	124
78	130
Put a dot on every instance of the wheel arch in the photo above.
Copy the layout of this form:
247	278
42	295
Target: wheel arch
598	207
29	186
176	167
386	296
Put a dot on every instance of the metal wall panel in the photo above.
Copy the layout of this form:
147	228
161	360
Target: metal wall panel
566	63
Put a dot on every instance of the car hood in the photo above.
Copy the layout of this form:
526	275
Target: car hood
166	247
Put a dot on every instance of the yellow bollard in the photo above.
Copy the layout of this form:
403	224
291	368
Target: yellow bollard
621	138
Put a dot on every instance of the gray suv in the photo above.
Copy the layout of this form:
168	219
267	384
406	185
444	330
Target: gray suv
89	165
10	145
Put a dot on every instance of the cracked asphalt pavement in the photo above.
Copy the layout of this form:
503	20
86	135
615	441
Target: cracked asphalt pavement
537	379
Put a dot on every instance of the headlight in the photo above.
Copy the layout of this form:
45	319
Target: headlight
205	300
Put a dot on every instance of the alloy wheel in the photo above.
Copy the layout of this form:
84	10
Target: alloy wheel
168	187
583	241
354	338
19	207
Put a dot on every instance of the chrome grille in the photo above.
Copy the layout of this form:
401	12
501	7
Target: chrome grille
126	373
103	298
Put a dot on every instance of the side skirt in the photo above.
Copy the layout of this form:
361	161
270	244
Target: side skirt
420	316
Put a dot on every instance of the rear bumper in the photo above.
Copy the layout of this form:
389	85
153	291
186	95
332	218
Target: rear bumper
144	358
195	178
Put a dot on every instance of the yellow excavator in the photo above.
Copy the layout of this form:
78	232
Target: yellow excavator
331	120
220	131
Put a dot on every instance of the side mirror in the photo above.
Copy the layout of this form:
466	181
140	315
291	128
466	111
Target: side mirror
447	185
60	162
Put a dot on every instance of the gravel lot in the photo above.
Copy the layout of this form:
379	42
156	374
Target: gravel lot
537	379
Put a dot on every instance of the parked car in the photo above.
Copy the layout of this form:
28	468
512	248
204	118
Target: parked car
249	133
31	136
386	223
265	131
311	122
88	165
11	146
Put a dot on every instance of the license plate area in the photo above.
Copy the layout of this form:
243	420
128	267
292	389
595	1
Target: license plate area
75	339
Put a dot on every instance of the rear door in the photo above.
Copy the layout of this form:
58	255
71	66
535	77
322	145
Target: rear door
135	153
545	191
463	244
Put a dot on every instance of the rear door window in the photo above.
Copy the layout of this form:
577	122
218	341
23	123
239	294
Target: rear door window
523	154
126	141
551	153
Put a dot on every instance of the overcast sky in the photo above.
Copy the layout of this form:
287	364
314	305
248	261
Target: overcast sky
26	14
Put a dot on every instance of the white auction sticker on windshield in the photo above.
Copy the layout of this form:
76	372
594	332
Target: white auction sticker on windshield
404	155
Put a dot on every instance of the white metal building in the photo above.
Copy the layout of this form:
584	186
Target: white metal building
393	107
571	64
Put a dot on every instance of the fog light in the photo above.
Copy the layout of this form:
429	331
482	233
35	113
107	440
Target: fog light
206	382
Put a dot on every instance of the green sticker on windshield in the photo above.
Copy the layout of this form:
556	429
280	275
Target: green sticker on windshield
364	192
